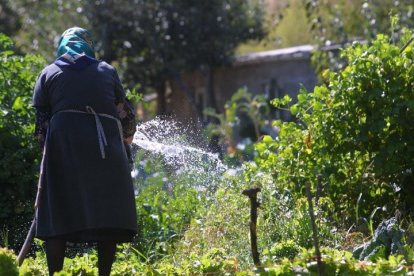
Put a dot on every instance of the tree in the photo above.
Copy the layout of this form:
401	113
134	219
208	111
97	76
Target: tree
342	21
157	40
151	41
9	21
42	23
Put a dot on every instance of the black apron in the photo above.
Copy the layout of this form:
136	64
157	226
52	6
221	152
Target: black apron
86	190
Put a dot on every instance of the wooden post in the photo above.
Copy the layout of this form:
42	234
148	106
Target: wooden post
314	229
254	204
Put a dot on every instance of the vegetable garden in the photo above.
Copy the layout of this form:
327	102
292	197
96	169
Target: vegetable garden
351	144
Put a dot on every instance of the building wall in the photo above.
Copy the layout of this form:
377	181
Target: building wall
274	73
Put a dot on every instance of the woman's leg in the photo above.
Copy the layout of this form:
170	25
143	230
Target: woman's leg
55	254
106	256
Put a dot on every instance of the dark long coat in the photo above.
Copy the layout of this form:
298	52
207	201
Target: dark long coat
86	188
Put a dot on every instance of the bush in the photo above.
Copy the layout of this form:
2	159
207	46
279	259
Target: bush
34	266
286	249
8	263
355	131
19	153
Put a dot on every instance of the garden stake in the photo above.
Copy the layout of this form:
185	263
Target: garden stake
30	235
406	44
314	229
254	204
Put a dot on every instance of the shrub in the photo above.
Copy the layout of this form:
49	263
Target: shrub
355	130
286	249
19	153
8	263
34	266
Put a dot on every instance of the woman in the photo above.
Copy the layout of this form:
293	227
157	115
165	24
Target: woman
83	119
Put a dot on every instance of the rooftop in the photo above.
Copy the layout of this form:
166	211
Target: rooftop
298	52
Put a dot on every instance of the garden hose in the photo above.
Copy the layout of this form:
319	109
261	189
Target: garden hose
30	235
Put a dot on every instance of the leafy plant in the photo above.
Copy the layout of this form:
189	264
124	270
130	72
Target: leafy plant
243	122
217	261
80	265
164	209
20	153
8	262
355	130
285	249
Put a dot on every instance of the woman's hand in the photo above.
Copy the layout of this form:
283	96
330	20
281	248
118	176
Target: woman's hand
128	140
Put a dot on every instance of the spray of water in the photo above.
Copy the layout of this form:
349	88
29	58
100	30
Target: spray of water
167	138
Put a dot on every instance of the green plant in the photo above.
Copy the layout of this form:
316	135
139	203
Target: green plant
4	237
8	263
285	249
34	266
222	225
81	265
19	153
165	209
353	130
245	117
216	261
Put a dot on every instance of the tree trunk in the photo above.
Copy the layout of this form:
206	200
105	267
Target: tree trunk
161	99
190	95
211	95
214	145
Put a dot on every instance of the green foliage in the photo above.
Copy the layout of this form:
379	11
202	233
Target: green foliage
376	87
222	225
387	240
19	152
8	263
213	261
158	39
9	21
292	29
128	262
286	218
285	249
217	262
245	117
340	22
34	265
164	210
80	265
41	23
369	116
150	41
355	130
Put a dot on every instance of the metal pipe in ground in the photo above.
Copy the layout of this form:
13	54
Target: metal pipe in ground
254	205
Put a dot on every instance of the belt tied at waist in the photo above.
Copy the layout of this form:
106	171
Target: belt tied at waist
100	130
99	127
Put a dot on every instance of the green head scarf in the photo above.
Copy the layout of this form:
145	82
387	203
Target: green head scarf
76	41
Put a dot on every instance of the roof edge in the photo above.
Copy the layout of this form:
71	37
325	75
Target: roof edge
291	53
